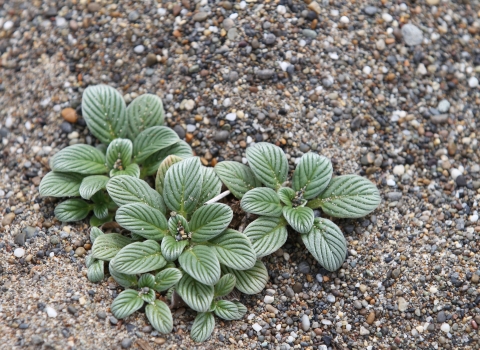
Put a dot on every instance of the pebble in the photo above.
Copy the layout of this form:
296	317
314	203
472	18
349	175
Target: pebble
268	299
200	17
443	106
281	10
8	219
364	331
69	115
80	251
51	311
370	10
139	49
371	317
412	35
305	323
19	252
126	343
257	327
399	170
473	82
330	298
189	105
402	304
221	136
445	327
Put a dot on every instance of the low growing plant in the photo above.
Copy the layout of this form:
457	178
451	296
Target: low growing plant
312	187
179	242
131	137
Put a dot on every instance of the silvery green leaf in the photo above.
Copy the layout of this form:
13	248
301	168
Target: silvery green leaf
242	310
144	112
89	260
197	295
234	250
226	309
209	221
211	185
269	164
238	178
225	285
251	281
146	280
148	297
262	201
125	189
104	111
286	195
167	278
202	327
348	196
162	170
267	235
171	249
326	243
81	159
95	271
126	303
180	149
152	140
92	184
300	218
94	233
159	316
60	185
100	210
119	154
72	210
143	220
106	246
178	223
201	264
139	257
94	221
182	186
312	175
131	170
126	281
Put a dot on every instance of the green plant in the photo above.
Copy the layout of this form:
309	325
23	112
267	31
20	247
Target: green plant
177	243
130	137
312	187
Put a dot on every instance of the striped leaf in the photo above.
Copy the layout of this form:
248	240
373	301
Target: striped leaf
60	185
209	221
144	112
167	278
227	310
94	221
72	210
178	224
348	196
195	294
234	250
139	257
262	201
286	195
125	189
267	235
100	210
202	327
104	111
162	170
180	149
326	243
126	281
143	220
148	297
95	271
238	177
225	285
242	310
160	316
92	184
152	140
107	246
312	175
119	154
251	281
268	163
201	264
146	280
131	170
126	303
95	232
171	249
81	159
211	185
182	187
300	218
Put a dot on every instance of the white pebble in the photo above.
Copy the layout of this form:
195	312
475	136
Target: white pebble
19	252
344	19
231	116
227	102
191	128
399	170
330	298
60	22
445	327
257	327
50	311
9	122
367	70
162	11
139	49
473	82
268	299
387	17
281	9
243	5
391	182
284	65
305	323
454	173
189	105
8	25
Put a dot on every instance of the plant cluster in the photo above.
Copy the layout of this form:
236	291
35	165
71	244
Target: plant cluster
131	137
177	243
312	187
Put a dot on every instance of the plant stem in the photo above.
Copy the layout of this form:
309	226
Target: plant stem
217	198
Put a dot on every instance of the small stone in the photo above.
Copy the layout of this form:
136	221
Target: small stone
8	219
305	323
151	59
133	16
228	24
20	238
441	317
126	343
314	6
71	309
473	82
357	305
443	106
80	251
394	196
113	320
364	331
433	2
370	10
101	315
281	10
257	327
93	7
439	118
269	39
289	292
304	267
412	35
189	105
454	173
19	252
50	311
180	131
371	317
475	278
139	49
221	136
461	181
445	327
330	298
200	16
399	170
69	115
396	273
297	287
54	240
36	340
402	304
268	299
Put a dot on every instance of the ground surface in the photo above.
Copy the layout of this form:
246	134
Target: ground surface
341	78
